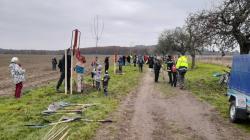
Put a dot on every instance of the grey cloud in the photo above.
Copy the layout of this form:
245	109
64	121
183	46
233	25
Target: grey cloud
47	24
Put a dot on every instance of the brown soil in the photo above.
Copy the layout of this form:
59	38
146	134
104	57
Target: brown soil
148	114
38	71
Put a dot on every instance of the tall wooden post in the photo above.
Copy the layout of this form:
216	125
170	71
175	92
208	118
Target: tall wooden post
114	63
71	72
75	37
66	72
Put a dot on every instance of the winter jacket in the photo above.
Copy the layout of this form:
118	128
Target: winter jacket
128	59
140	61
61	64
170	64
98	76
135	59
157	66
79	68
54	61
106	78
17	73
120	61
106	62
151	62
182	62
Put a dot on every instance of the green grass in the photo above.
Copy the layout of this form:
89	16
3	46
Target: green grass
16	113
202	84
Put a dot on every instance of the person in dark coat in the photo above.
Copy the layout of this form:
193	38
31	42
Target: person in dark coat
135	60
170	63
61	66
54	63
151	62
140	63
105	83
120	63
157	68
128	59
174	72
124	60
106	63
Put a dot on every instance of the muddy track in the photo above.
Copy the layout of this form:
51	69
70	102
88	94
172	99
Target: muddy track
148	114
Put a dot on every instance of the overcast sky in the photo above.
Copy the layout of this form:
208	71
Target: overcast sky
47	24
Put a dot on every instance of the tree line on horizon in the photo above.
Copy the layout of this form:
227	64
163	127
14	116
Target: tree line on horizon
108	50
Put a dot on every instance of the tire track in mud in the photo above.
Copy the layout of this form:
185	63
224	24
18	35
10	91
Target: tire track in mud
147	114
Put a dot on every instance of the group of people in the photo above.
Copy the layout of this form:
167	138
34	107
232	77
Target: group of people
97	77
137	60
176	68
96	73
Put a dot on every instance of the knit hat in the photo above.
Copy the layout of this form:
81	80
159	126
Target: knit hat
14	60
99	67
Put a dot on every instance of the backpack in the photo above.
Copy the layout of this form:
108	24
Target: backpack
182	70
140	61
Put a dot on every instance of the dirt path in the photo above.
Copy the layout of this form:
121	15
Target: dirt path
148	114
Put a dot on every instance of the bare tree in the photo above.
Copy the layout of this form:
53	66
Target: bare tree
98	27
165	42
228	25
196	41
182	39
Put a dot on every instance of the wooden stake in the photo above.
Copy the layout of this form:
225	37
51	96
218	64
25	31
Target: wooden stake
48	133
65	71
64	135
114	64
71	72
58	133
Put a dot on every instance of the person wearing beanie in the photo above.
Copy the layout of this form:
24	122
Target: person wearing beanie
140	63
106	63
157	68
98	77
105	82
170	64
93	73
18	75
120	63
54	63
